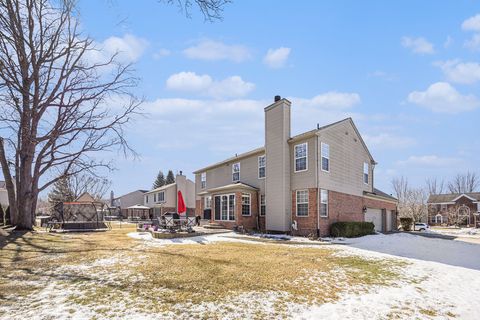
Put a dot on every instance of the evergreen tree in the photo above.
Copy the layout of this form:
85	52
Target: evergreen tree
170	177
160	181
61	192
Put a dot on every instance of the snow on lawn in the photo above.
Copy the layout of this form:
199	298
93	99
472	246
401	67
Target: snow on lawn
448	283
460	232
455	253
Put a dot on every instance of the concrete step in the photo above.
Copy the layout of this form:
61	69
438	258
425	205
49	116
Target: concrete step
213	225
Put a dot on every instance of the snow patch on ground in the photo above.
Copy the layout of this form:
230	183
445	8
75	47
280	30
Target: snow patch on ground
455	253
462	232
441	289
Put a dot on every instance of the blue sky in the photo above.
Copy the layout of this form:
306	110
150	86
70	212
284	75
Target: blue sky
408	73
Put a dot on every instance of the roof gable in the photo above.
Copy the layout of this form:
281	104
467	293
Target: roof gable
453	197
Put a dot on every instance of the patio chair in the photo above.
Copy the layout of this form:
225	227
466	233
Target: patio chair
169	223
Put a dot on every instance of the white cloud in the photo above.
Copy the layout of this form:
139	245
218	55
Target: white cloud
188	82
387	140
430	161
277	58
460	72
161	53
215	50
442	97
418	45
128	48
204	84
472	23
329	100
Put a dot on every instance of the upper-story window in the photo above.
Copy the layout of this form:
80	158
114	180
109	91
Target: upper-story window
301	152
325	157
146	199
154	197
302	203
161	196
203	180
236	172
261	167
365	172
443	207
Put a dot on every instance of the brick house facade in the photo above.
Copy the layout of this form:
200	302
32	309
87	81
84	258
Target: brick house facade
454	209
331	166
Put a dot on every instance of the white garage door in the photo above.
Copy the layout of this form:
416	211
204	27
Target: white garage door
375	216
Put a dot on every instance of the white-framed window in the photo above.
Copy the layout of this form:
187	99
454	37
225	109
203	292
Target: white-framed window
443	207
154	197
225	207
302	203
161	197
146	198
365	172
438	218
236	172
203	180
208	202
325	150
301	161
323	203
263	207
261	167
246	204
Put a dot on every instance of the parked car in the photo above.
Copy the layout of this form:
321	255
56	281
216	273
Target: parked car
421	226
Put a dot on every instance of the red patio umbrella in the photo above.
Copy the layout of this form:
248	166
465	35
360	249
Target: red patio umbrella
181	208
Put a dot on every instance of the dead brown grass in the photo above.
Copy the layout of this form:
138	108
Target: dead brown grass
165	279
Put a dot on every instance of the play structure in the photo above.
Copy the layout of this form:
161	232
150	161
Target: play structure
82	215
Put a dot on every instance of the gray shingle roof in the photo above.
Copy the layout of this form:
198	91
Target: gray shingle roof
449	197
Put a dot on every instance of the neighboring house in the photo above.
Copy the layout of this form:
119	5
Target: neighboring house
128	200
454	208
164	199
300	184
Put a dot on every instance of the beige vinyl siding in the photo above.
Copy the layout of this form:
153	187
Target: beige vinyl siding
347	157
170	197
303	179
278	197
222	175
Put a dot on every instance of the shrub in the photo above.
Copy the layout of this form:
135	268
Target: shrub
351	229
406	223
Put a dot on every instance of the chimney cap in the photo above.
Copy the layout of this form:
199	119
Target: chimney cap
277	98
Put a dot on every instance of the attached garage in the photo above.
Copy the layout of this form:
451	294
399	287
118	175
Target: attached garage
375	216
384	220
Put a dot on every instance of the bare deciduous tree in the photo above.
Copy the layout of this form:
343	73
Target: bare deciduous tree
435	186
54	101
97	187
464	182
211	9
412	202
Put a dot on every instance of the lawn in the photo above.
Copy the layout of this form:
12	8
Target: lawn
109	274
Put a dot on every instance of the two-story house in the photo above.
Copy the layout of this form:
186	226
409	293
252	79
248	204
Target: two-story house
300	184
454	209
165	198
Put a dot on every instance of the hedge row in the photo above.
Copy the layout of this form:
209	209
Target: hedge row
351	229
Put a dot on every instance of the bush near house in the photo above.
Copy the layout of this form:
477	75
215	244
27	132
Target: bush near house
351	229
406	224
